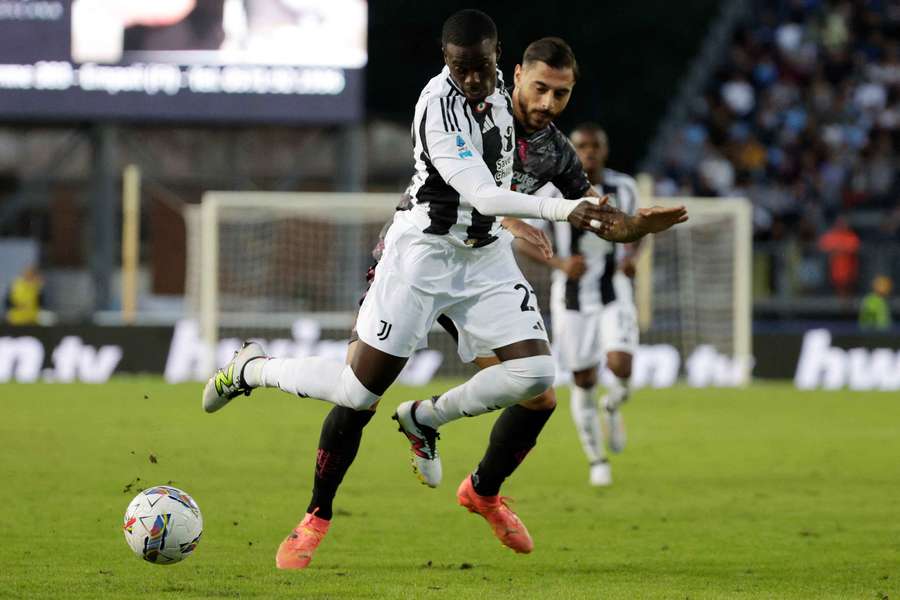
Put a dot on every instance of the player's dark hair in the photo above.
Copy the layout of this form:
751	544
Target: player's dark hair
554	52
588	127
468	27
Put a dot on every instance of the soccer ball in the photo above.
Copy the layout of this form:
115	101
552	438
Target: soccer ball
163	525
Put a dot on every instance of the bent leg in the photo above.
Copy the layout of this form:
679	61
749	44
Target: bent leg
357	386
619	363
528	372
543	401
514	434
585	415
339	442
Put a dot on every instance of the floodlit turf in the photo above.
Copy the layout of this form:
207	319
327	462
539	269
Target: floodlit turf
760	493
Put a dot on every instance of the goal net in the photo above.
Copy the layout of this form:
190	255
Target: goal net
280	265
693	288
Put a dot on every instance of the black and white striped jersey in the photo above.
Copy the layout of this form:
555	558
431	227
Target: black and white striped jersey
597	287
448	126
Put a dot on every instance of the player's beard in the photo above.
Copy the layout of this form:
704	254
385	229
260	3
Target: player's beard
538	119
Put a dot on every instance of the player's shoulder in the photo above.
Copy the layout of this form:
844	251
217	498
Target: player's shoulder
441	86
559	138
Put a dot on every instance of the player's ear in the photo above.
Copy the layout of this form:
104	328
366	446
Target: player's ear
498	50
517	74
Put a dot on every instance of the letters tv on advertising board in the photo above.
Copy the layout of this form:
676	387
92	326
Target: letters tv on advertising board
186	60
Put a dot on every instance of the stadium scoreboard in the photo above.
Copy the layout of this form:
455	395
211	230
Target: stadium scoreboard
183	60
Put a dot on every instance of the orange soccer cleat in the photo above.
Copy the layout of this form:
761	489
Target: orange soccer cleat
296	551
507	526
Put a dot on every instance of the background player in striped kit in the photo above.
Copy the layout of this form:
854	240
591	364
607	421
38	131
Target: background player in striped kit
592	306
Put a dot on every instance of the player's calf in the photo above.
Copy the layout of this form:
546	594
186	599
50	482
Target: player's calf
494	388
617	394
312	377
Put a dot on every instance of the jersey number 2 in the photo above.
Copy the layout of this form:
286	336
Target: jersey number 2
525	306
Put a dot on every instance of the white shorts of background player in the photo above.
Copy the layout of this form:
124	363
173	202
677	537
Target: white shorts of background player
582	339
422	276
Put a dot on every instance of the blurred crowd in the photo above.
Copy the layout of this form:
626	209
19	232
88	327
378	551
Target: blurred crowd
803	117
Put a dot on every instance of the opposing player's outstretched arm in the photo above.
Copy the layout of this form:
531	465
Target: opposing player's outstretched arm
625	228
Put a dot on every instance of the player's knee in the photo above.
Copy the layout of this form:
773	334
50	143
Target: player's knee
585	379
620	364
355	395
545	401
533	375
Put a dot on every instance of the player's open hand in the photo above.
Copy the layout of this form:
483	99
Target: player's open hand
657	218
599	218
532	235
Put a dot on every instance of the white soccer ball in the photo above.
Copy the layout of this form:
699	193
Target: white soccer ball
163	525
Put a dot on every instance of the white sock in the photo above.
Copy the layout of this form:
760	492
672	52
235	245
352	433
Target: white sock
311	377
493	388
587	422
617	393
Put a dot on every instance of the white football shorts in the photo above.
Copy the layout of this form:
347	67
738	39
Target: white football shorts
582	339
421	276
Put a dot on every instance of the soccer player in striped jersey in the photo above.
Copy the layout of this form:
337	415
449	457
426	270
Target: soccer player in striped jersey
592	307
447	255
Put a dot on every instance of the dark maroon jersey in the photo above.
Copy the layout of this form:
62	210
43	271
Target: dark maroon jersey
546	156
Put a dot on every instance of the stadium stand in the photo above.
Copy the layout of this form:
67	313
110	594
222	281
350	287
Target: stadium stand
803	117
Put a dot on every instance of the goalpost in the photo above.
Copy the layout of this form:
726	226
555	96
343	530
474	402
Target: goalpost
693	284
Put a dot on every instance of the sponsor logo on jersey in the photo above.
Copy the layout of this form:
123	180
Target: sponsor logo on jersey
461	149
526	183
504	168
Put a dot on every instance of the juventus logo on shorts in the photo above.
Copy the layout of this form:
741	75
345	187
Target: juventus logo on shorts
385	330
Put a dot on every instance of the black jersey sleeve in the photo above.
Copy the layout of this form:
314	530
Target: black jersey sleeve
570	178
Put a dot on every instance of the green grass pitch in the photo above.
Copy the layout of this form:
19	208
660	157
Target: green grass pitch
757	493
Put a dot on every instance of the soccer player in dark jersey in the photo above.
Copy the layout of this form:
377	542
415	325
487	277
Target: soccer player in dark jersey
446	255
